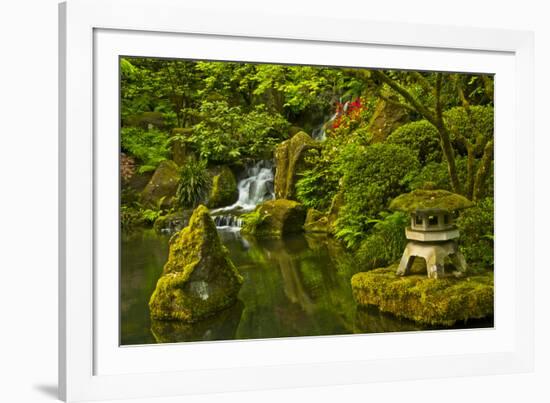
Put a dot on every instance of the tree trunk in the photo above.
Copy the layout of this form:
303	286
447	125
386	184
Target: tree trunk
483	171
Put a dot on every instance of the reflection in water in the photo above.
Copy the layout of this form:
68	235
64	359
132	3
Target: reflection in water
222	326
296	286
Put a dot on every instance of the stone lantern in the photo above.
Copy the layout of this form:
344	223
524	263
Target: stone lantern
432	234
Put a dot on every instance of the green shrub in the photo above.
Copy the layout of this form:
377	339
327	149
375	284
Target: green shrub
194	184
438	174
385	242
421	137
373	175
476	227
317	187
472	123
149	146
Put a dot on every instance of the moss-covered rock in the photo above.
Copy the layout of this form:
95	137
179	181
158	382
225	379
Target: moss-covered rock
290	160
172	222
335	207
292	130
198	279
316	222
163	185
223	191
386	118
424	300
276	218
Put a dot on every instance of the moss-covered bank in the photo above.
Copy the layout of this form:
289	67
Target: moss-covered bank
198	279
424	300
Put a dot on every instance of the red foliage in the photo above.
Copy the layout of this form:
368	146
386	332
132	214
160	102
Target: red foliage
352	110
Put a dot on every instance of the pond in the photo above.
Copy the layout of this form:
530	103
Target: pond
296	286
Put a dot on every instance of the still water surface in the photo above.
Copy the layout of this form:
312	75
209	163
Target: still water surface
296	286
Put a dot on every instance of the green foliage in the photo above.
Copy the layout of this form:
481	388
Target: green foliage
373	175
421	137
385	242
194	184
475	123
149	146
228	133
437	173
476	227
317	186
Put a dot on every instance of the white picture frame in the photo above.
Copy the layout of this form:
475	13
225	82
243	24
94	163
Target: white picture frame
93	33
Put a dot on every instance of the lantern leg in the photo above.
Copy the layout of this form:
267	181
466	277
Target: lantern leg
435	265
406	263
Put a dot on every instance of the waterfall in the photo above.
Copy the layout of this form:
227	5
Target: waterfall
320	132
255	187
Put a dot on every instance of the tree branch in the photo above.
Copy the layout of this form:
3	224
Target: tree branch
405	94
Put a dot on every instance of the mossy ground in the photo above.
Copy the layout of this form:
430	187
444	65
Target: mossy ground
426	301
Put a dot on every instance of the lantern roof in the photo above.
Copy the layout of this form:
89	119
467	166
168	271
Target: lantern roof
438	200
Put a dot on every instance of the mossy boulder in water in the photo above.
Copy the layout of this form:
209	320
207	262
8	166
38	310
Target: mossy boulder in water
290	160
224	190
316	222
163	185
198	279
276	218
424	300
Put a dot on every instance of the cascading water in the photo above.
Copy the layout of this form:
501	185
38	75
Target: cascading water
320	133
255	187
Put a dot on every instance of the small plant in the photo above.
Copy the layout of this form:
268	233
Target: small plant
385	242
194	184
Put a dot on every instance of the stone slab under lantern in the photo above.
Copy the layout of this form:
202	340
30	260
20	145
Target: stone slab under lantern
432	234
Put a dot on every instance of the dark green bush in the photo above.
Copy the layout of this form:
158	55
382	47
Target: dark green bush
476	227
476	121
194	184
421	137
373	175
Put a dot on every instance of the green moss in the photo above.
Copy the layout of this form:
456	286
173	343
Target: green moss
290	157
429	199
224	190
198	279
163	184
424	300
278	217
